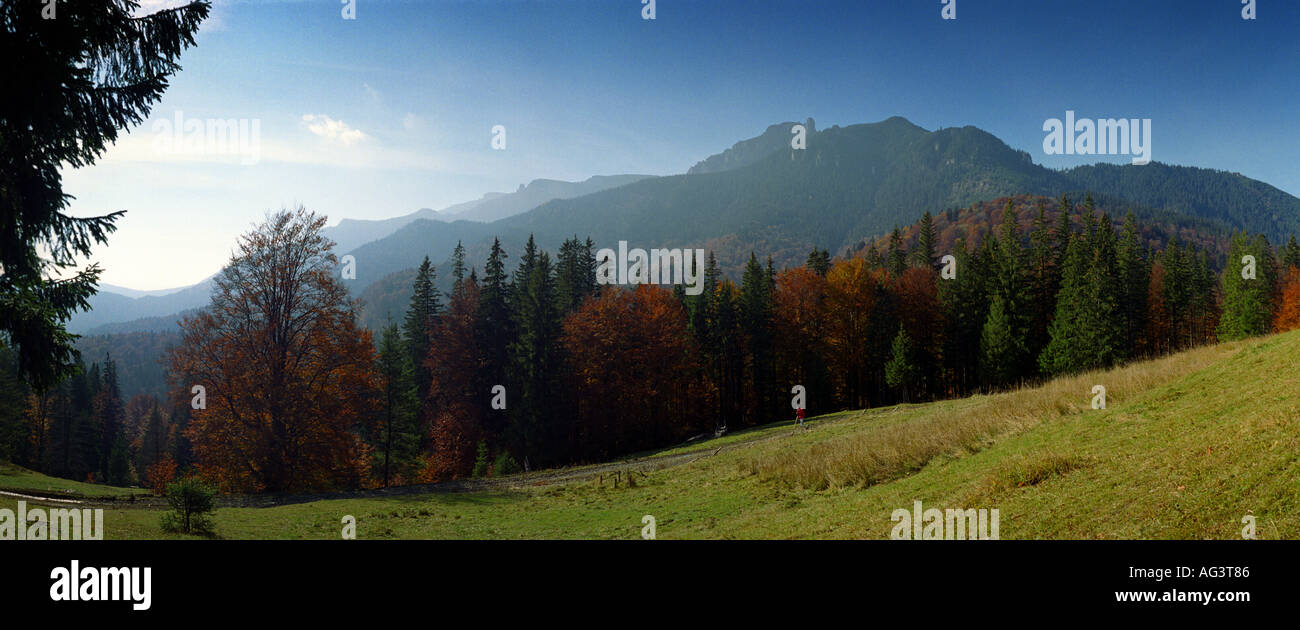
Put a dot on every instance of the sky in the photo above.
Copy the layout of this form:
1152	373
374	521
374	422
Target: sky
395	110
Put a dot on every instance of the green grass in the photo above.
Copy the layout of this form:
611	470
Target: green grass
1189	445
23	481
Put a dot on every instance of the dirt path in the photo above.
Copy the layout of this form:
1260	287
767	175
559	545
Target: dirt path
609	472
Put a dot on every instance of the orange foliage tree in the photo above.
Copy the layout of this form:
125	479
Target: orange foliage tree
454	426
1287	316
1157	339
920	314
799	319
634	371
851	291
287	372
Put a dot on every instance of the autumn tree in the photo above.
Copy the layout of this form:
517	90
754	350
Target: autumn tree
851	294
288	372
1287	315
456	424
799	318
634	370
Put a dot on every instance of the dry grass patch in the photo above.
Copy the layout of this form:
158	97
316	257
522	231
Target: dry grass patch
878	454
1022	471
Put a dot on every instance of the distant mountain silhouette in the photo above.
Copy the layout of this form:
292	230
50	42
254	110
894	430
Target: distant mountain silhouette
350	234
108	307
849	184
775	138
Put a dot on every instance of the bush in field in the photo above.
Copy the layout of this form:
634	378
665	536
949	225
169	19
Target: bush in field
480	461
192	503
505	465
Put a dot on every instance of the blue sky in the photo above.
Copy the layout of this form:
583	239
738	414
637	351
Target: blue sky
393	111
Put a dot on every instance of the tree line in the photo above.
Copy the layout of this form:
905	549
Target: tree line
540	366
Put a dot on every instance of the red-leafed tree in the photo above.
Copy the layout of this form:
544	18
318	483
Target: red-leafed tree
288	374
851	292
799	318
922	318
635	372
1287	315
455	427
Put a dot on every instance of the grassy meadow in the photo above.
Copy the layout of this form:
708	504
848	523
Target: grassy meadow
1188	445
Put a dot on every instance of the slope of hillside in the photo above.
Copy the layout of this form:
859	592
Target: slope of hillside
110	308
850	183
1232	198
774	138
535	193
350	234
1189	445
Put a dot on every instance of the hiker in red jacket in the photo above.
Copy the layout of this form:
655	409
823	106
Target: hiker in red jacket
798	417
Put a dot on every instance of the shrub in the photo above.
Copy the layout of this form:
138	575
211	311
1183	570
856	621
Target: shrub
505	465
481	461
192	503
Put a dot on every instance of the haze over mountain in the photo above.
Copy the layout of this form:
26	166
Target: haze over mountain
496	206
109	307
850	183
774	138
350	234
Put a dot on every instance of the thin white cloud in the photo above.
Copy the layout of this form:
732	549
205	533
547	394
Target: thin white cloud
373	94
333	130
216	15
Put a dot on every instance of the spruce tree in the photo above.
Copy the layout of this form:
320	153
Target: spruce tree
819	261
75	82
902	370
575	273
458	267
965	303
1000	349
421	316
1044	283
535	362
396	438
1065	351
756	324
1102	319
153	442
493	331
927	238
1009	284
1134	272
1247	301
109	418
897	258
1291	254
